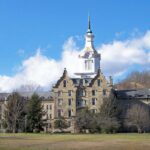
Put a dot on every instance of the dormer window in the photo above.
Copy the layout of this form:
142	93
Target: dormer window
64	83
98	82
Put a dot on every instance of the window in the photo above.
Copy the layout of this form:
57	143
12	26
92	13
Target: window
69	113
60	101
69	93
69	123
47	116
99	82
50	107
69	101
59	93
50	116
59	112
47	107
81	81
93	111
93	101
83	93
49	125
83	103
64	83
93	92
88	64
104	92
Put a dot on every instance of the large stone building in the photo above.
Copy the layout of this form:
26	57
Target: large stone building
69	95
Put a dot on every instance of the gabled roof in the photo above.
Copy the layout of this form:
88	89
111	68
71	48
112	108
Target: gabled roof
61	78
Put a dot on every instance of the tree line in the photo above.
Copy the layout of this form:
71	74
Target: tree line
23	115
135	80
26	115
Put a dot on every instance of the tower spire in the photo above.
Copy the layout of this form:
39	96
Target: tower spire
89	25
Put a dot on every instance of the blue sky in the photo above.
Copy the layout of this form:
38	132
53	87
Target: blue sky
26	25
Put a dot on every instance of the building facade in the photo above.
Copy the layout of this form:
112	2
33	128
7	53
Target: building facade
87	90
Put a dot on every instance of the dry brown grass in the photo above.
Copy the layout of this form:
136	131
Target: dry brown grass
75	142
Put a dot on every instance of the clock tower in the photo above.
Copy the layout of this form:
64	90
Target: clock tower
90	58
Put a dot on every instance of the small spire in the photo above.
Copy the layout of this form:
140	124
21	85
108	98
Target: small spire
65	72
111	80
98	71
89	25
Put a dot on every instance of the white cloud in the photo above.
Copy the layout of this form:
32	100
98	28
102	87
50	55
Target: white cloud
41	70
117	57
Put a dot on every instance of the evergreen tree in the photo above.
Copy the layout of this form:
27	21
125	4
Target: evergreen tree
34	114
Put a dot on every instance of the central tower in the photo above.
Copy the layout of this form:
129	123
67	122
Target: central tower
90	58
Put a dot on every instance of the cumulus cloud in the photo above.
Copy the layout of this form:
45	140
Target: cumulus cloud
39	70
118	56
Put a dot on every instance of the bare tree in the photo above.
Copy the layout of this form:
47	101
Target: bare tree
109	107
14	110
30	88
138	116
107	118
135	80
85	120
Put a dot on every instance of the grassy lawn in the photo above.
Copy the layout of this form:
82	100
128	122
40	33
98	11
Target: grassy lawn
75	142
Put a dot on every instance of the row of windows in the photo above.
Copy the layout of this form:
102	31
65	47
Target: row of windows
83	102
94	92
49	116
49	107
69	93
81	82
60	102
60	113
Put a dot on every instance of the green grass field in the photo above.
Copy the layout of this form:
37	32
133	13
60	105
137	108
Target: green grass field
75	142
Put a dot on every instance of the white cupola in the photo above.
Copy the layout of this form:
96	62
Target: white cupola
90	58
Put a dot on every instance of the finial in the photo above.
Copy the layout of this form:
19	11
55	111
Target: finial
65	72
89	25
111	80
98	71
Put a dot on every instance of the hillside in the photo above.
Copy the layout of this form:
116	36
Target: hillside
135	80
